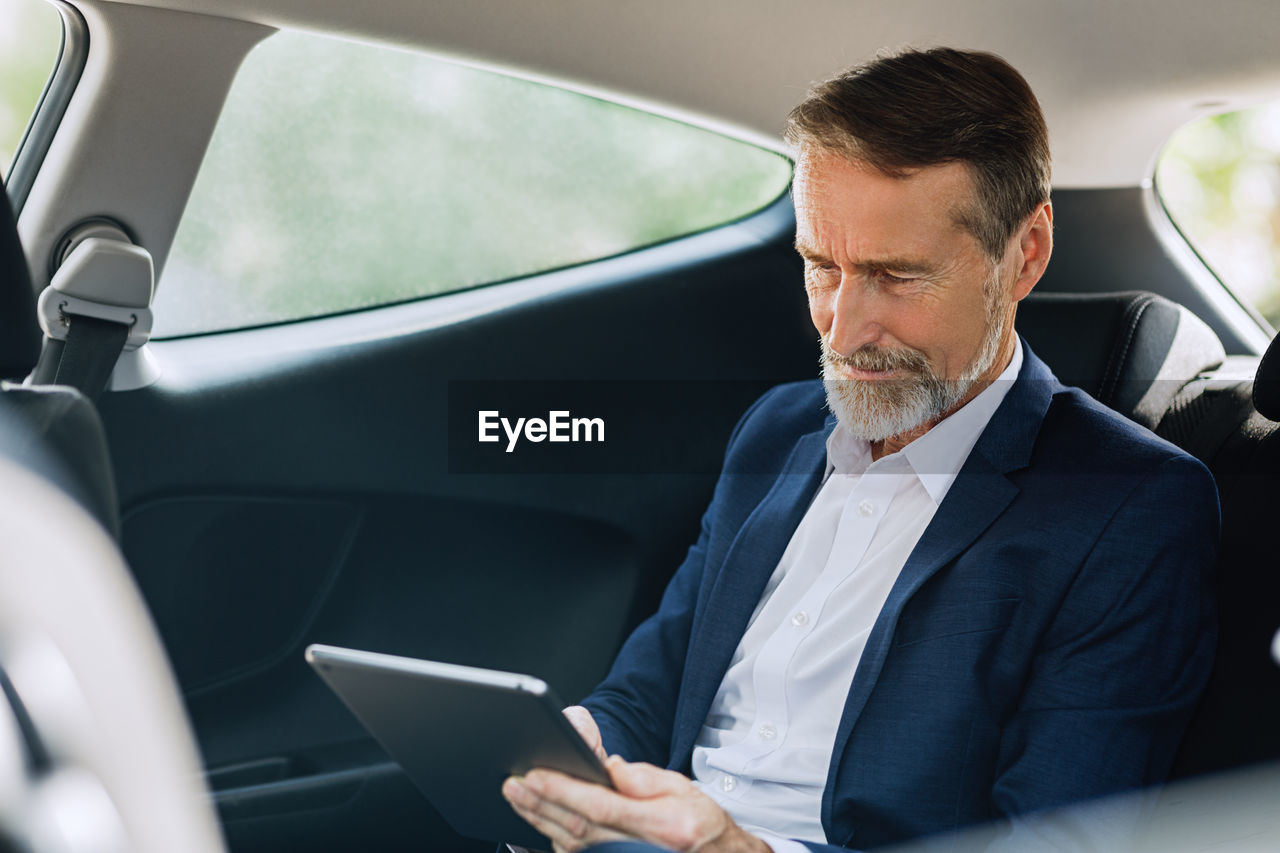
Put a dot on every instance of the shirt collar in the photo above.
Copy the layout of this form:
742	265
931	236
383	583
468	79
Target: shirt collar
937	456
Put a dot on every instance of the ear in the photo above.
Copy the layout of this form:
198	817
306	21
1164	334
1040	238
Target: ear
1035	246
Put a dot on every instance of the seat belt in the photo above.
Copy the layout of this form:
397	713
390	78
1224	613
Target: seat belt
96	314
85	358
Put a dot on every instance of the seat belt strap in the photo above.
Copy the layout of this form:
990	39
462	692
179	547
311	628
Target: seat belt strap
85	359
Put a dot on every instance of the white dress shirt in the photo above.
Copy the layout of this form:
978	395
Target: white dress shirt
765	746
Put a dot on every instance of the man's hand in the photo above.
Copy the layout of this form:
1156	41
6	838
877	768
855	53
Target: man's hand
582	720
650	804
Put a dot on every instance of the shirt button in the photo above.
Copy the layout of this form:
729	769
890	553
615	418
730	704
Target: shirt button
865	508
728	783
800	619
767	732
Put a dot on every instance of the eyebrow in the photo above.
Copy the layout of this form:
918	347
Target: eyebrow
911	266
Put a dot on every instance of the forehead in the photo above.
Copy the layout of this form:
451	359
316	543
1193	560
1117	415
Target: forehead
850	207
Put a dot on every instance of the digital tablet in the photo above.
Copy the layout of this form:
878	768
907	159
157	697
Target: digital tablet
459	731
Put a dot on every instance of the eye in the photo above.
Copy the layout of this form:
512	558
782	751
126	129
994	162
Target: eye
821	279
890	278
823	270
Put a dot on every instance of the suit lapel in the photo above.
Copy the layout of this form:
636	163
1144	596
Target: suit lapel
752	556
978	496
975	500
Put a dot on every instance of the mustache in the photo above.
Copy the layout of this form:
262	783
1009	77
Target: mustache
877	358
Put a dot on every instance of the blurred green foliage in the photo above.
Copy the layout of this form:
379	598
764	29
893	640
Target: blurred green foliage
1219	178
30	37
343	176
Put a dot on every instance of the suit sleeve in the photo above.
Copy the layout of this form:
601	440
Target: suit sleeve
1119	670
635	705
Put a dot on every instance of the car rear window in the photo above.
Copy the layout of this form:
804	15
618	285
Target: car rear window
30	40
344	175
1219	180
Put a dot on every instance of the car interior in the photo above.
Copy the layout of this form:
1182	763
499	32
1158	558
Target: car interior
178	533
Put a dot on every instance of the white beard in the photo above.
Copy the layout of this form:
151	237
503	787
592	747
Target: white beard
875	409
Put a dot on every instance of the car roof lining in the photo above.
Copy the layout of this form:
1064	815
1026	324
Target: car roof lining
1115	79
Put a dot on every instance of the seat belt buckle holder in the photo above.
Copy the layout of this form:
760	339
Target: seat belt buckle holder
105	279
56	310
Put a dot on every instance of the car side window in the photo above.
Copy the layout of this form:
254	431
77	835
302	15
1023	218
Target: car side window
1219	180
343	176
30	40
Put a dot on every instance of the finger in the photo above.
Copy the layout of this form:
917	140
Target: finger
565	828
595	803
562	839
522	796
541	820
615	813
549	818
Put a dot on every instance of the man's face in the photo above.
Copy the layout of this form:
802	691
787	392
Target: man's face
911	312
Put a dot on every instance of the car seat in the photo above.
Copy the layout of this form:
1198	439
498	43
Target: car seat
95	748
1228	420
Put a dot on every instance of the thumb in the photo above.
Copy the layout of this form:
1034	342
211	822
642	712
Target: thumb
580	718
587	729
642	781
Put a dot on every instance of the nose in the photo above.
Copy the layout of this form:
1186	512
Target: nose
852	317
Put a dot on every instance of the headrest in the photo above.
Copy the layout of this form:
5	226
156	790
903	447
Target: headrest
55	432
1266	384
19	333
1133	351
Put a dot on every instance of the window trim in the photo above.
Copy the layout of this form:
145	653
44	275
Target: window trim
73	53
1166	217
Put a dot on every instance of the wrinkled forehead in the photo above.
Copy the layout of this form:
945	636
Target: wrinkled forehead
839	197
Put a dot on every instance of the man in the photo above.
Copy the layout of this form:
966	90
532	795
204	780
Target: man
973	594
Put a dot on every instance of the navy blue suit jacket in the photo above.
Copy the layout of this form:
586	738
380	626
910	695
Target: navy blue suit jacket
1045	642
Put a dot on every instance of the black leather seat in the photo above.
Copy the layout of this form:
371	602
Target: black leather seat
1229	423
19	333
1133	351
